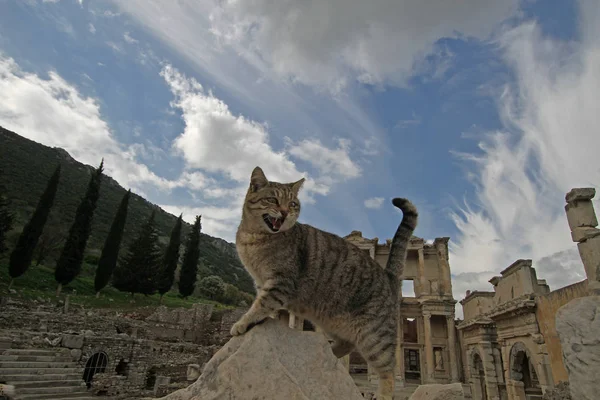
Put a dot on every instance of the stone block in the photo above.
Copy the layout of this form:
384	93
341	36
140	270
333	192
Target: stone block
581	214
193	372
75	354
583	233
577	325
272	361
72	341
452	391
161	383
579	194
589	252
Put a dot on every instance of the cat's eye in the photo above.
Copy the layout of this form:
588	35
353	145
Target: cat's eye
293	204
271	200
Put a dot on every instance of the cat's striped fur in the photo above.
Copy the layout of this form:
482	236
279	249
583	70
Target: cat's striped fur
320	276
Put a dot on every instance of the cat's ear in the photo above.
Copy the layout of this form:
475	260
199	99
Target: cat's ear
296	186
258	179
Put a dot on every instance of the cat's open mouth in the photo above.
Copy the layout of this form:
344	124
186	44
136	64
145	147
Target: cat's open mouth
273	223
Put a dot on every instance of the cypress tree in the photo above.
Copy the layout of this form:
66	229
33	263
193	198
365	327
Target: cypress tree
138	270
6	219
112	245
69	263
189	268
22	254
167	275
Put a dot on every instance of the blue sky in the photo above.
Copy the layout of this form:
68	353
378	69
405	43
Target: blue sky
483	113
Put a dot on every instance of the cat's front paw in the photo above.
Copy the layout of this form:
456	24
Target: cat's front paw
239	328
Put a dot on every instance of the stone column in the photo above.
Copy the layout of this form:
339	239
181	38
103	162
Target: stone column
489	366
423	283
583	222
429	377
400	353
441	247
452	348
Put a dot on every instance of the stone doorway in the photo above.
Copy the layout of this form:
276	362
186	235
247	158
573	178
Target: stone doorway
412	366
523	372
478	379
95	364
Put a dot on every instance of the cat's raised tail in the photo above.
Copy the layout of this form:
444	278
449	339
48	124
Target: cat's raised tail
398	250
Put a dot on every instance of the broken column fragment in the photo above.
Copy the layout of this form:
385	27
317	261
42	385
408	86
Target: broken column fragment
583	222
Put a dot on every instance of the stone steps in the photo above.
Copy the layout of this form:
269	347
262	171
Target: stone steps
21	379
70	396
22	358
36	352
38	371
5	343
35	364
61	381
43	374
48	390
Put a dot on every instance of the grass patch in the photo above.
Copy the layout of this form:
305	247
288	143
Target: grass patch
38	282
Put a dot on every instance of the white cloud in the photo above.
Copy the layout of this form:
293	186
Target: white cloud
52	111
549	145
374	202
91	28
216	221
329	162
115	46
127	37
217	141
334	42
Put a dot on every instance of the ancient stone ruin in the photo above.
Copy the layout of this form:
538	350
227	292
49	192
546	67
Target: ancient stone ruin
518	341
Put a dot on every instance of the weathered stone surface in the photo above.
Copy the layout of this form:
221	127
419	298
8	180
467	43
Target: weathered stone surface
161	385
581	214
452	391
559	392
273	361
578	194
193	372
577	325
590	256
583	233
75	354
72	341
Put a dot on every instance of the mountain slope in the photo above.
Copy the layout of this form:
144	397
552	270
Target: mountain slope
26	167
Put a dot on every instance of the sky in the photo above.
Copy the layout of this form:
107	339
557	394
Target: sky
482	112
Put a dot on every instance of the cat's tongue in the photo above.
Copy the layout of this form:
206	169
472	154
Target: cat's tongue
276	222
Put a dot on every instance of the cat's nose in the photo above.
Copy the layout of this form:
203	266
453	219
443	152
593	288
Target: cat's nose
284	212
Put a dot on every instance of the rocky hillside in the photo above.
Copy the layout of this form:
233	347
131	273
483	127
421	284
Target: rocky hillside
26	167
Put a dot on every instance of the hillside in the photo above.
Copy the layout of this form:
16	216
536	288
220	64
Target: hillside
26	167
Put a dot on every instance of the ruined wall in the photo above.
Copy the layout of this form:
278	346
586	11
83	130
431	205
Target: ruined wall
547	306
517	280
476	304
142	360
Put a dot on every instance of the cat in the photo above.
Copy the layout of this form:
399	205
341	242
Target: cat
321	277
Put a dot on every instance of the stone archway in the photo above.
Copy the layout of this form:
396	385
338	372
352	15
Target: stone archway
479	377
523	375
95	364
477	381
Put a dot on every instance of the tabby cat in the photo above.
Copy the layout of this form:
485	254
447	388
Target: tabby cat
321	277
